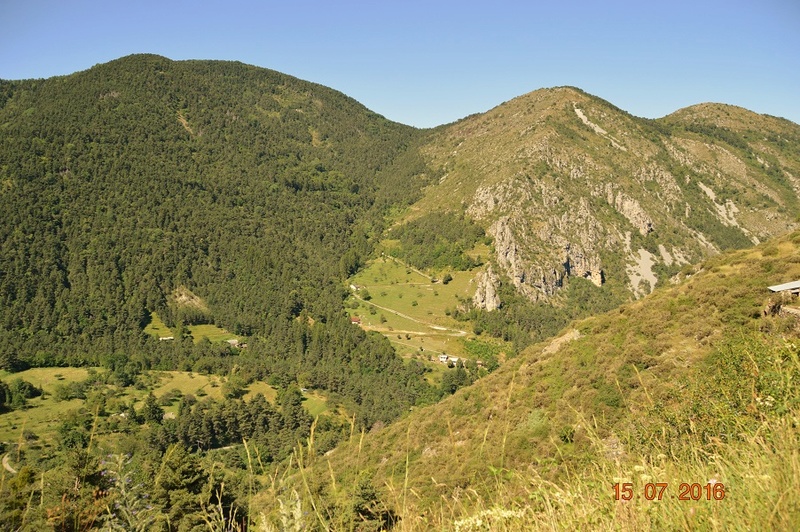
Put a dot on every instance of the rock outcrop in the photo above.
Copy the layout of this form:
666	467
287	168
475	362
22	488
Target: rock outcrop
486	297
630	209
540	279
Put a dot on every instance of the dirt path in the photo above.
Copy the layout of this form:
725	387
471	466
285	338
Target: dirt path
427	350
455	332
7	465
413	269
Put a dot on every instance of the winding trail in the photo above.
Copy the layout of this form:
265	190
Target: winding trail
410	267
455	332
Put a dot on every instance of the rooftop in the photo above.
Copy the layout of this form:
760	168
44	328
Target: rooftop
794	285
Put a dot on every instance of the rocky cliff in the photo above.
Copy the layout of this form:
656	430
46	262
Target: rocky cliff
570	186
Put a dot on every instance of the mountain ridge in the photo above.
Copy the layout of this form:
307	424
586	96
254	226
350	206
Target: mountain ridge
563	174
566	184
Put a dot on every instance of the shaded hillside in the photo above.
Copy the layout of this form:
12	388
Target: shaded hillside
692	374
570	186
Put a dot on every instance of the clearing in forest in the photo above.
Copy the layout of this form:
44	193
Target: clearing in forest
40	418
212	332
157	327
414	310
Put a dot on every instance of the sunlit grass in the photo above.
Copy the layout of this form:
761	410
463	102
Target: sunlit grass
212	332
157	328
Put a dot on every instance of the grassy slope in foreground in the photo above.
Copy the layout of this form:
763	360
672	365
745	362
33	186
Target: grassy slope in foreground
671	389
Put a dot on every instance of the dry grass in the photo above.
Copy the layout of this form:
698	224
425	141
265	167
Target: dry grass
544	453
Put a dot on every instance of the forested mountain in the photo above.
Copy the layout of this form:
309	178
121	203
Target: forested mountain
128	180
139	179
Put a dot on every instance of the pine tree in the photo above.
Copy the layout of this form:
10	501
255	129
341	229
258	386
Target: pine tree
151	411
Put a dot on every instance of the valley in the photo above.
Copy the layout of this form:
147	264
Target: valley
267	307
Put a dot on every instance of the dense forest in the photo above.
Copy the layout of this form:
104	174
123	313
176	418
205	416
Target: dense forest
255	190
437	240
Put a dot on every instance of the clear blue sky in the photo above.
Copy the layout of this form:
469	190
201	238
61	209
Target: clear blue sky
430	62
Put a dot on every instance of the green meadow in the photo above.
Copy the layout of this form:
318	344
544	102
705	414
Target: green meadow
413	309
157	328
41	417
212	332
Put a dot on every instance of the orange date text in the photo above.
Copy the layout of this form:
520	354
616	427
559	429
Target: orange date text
656	491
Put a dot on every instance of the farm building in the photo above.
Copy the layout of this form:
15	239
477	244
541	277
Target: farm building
792	288
786	295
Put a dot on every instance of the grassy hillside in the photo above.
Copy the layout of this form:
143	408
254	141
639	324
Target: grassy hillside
693	384
415	312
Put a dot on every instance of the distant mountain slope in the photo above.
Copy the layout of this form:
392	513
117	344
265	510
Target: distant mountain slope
570	186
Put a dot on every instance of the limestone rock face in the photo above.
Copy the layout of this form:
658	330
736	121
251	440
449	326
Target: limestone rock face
539	261
630	209
486	297
578	264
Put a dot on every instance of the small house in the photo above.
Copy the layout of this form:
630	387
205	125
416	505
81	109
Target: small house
443	358
355	320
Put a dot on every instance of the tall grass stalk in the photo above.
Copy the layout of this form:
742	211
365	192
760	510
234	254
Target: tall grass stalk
250	475
301	466
508	419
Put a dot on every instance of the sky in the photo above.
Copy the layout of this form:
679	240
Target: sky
426	63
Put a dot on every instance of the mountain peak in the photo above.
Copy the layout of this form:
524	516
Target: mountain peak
569	185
